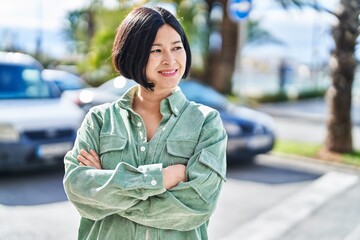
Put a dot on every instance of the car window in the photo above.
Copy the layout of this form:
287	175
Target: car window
18	81
64	80
200	93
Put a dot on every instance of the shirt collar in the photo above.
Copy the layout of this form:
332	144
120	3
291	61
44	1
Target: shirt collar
176	100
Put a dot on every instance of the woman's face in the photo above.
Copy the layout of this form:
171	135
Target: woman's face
167	60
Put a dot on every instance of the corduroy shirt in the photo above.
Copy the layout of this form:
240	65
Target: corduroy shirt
127	198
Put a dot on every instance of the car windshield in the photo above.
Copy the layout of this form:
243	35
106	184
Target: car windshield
64	80
18	81
200	93
117	86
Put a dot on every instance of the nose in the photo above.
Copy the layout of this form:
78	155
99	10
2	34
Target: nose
168	59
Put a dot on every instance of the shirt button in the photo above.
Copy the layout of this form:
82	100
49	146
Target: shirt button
139	124
142	149
153	182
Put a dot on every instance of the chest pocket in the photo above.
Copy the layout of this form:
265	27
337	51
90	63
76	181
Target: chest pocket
179	152
112	150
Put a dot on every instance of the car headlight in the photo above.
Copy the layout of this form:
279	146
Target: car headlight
8	133
86	96
232	128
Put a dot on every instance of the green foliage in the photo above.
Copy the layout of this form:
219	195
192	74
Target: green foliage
95	45
282	96
297	148
352	158
96	66
313	150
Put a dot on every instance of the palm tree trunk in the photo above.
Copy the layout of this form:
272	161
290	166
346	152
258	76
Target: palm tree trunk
221	62
343	64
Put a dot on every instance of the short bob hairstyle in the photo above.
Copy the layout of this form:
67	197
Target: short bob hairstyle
134	39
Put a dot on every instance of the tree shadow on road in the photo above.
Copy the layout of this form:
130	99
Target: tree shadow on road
263	173
32	188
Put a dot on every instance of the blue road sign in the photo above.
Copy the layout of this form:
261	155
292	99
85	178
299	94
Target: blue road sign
239	10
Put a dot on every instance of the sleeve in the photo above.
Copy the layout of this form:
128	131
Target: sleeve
189	204
99	193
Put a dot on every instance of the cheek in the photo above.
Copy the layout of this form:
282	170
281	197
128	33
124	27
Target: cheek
151	64
183	61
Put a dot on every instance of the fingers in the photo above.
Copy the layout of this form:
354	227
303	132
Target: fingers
90	159
94	155
173	175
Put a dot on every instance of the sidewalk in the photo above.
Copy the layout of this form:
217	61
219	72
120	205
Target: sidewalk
296	215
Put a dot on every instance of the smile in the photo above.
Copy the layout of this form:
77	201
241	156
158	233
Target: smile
168	72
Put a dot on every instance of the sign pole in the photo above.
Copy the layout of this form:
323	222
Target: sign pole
239	11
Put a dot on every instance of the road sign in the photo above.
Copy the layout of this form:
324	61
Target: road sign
239	10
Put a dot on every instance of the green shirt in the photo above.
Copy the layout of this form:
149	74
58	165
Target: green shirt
127	199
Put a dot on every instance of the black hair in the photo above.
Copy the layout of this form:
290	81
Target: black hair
134	39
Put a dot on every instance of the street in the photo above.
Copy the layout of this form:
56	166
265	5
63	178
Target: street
283	198
308	200
278	197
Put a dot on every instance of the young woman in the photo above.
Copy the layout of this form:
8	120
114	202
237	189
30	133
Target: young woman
150	165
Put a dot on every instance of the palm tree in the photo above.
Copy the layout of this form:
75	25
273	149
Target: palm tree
342	65
220	64
345	33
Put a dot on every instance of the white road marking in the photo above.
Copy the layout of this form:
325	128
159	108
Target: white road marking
354	234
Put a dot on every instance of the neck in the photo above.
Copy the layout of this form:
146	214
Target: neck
149	101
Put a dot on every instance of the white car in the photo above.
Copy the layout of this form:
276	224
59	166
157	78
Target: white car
37	127
64	80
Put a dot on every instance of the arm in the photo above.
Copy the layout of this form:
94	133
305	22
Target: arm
99	193
172	175
189	204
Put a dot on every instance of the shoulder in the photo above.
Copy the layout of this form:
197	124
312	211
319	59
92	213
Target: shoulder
101	109
100	112
202	111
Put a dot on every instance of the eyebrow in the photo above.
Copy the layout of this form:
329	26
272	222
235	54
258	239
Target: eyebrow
173	43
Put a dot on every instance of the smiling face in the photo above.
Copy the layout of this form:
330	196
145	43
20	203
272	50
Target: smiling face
167	59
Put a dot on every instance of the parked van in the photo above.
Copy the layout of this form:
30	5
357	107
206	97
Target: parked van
37	127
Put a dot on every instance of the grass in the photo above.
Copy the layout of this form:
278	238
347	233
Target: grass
313	150
286	96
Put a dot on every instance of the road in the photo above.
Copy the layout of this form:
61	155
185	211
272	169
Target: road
283	198
306	120
275	191
275	198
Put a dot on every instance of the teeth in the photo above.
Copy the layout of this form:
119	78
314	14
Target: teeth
168	72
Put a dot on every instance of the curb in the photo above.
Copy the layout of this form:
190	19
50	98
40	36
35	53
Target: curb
320	164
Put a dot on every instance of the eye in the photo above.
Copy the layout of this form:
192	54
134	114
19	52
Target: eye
155	51
177	48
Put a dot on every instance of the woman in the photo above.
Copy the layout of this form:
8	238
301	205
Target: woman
150	165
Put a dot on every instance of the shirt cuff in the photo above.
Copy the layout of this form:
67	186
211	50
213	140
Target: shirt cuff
153	175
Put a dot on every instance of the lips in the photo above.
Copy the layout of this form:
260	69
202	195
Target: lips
168	72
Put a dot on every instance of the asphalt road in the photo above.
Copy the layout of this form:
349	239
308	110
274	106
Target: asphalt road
276	198
284	198
306	120
308	200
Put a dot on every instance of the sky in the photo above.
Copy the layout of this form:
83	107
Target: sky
305	33
21	21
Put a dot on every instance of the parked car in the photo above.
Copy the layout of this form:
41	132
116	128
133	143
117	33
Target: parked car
37	127
64	80
106	92
250	132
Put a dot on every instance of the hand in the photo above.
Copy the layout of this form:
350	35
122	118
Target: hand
173	175
89	159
